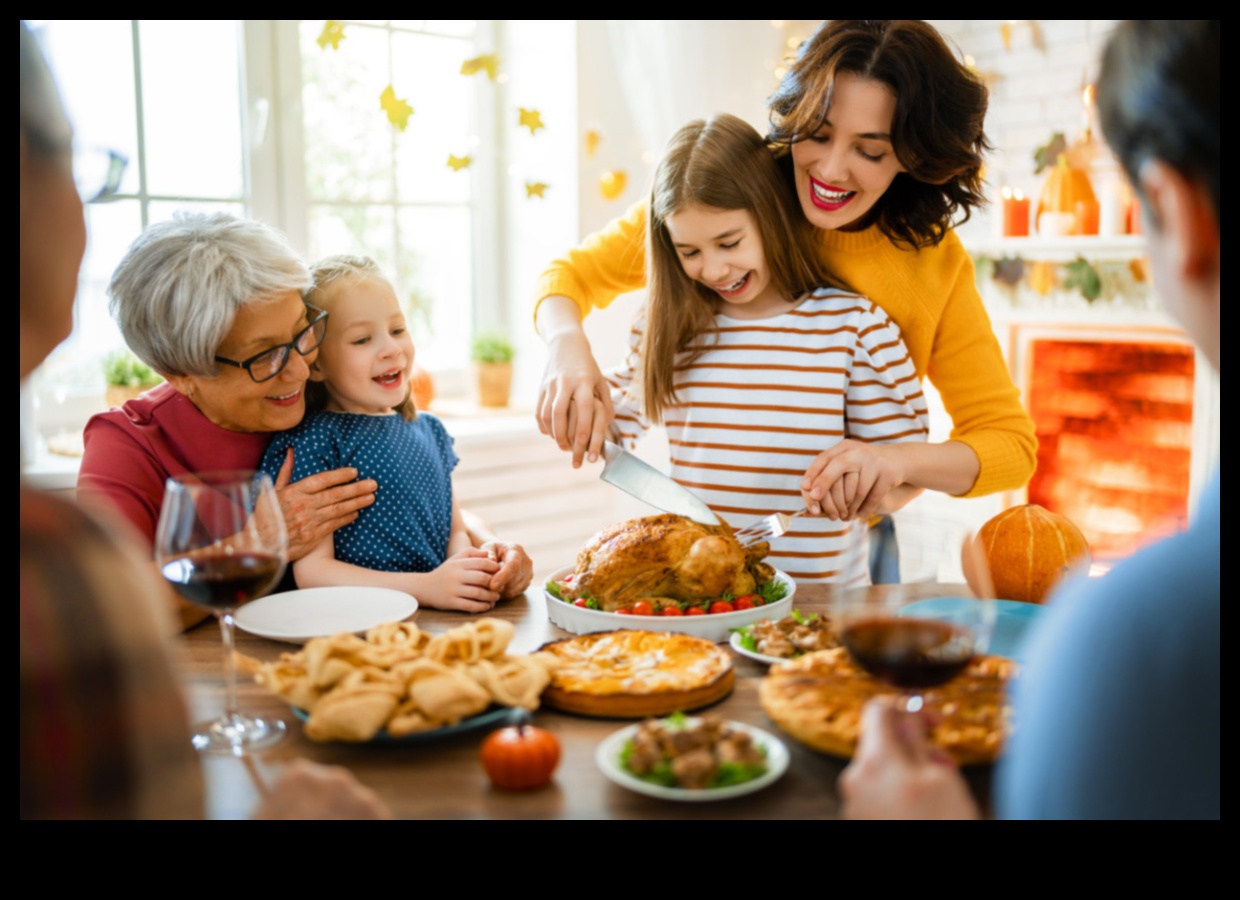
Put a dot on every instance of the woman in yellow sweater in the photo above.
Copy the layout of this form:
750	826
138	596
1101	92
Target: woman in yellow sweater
880	131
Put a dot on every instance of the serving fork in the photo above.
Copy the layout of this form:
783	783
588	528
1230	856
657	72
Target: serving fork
773	526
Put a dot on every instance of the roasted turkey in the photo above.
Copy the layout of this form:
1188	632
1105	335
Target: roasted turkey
666	557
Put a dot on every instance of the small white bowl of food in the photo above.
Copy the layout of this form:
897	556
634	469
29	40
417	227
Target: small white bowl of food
772	640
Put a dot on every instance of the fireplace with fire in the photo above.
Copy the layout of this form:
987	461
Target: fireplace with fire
1122	431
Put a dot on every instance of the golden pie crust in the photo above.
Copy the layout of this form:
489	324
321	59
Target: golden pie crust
632	674
817	698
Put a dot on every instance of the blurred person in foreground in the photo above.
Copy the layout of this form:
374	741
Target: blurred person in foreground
1118	713
103	727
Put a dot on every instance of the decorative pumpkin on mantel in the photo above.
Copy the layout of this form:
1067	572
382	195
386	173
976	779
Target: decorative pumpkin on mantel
1063	189
1030	550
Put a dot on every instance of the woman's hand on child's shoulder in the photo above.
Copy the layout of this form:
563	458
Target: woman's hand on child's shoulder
316	506
516	568
462	582
850	480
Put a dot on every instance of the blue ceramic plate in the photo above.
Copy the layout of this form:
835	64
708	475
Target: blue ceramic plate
495	717
1014	621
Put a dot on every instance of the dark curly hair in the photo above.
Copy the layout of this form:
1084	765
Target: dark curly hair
936	132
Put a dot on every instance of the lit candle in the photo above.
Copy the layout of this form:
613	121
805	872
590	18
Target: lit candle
1087	216
1015	213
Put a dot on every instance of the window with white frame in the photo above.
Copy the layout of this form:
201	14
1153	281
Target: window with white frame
262	118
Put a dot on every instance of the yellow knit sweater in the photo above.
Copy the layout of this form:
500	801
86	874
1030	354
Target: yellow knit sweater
931	295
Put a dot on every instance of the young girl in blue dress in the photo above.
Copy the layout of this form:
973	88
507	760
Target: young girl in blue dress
414	538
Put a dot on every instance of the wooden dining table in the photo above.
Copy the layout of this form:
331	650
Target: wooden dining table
443	778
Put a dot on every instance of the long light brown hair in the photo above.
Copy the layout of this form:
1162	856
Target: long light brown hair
332	275
721	162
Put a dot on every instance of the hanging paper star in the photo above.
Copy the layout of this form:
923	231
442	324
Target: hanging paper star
535	189
1005	32
611	184
398	111
593	139
488	63
456	163
530	118
332	33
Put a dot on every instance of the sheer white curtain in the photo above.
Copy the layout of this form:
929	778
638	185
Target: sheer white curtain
674	70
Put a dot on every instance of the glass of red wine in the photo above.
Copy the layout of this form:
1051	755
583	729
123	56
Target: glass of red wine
922	632
220	543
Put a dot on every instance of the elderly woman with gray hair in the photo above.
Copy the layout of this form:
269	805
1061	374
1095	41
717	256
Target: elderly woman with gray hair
213	303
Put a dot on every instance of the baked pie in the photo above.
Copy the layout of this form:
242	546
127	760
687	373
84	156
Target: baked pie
632	674
818	699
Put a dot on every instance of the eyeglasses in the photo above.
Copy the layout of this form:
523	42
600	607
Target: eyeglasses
270	363
97	172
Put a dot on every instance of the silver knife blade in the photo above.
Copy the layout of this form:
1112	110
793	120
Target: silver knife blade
633	476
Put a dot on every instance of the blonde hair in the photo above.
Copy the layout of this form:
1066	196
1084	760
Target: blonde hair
327	272
724	163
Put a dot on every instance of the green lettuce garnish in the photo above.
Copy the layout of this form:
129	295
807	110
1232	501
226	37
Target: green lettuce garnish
773	590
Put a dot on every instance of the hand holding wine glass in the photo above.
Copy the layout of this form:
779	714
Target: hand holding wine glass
220	543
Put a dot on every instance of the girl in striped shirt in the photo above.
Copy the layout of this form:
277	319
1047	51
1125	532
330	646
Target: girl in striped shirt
753	358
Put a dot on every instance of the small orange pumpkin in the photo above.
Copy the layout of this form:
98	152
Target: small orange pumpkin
1029	550
1064	188
520	757
423	387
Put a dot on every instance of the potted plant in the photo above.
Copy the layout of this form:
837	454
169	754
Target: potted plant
492	355
126	377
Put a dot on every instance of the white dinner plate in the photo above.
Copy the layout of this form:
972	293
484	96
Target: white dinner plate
607	756
298	616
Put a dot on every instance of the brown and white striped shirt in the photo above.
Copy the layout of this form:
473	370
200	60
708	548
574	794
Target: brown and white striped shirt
769	395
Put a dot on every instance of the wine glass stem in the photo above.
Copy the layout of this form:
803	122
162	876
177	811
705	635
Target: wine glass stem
230	668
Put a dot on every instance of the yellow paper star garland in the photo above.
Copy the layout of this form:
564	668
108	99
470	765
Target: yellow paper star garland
456	163
535	189
593	139
611	184
332	33
398	111
529	118
488	63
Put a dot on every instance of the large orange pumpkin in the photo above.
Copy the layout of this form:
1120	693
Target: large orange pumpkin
1029	550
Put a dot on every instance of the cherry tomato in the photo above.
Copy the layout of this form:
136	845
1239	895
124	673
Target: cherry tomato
673	611
754	600
582	602
624	612
695	611
721	606
642	608
743	603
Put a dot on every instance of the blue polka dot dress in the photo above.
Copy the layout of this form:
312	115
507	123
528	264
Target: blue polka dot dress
407	528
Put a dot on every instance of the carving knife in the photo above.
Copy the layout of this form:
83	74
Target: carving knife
633	476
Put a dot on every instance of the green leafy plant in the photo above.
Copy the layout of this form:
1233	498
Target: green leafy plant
491	347
124	369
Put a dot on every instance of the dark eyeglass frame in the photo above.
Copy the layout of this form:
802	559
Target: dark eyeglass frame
285	349
97	173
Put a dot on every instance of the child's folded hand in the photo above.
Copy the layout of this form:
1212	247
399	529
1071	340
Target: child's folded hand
516	568
463	582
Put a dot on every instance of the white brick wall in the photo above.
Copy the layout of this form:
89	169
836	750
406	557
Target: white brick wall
1035	91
